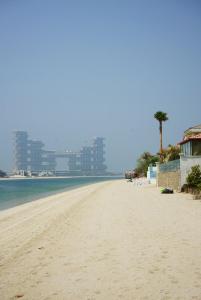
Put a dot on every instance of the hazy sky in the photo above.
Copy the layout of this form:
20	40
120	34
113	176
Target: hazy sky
72	70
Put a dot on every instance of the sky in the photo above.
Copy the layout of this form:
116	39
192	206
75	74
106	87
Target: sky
72	70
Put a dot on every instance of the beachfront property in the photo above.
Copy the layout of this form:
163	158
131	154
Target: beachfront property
31	157
191	145
173	174
193	130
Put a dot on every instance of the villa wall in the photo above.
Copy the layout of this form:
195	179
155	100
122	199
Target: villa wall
169	179
173	174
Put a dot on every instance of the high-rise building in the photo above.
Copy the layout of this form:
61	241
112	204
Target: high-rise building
74	161
20	142
98	156
86	157
48	161
29	155
92	158
35	151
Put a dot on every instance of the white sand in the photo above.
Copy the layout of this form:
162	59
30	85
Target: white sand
106	241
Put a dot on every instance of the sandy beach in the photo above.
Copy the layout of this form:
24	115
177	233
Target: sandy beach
109	240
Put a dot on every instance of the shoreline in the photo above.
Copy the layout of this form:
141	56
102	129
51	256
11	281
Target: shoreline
108	240
58	177
69	183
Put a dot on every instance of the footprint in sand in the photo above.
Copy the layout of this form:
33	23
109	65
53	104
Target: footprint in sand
175	281
40	248
44	265
83	267
67	264
138	287
34	273
33	286
39	281
156	269
19	296
97	292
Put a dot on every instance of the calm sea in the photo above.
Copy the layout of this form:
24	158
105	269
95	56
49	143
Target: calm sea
18	191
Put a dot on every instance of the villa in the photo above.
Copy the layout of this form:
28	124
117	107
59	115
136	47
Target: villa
191	144
173	174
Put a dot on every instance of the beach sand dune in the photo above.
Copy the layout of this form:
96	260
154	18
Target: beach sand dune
110	240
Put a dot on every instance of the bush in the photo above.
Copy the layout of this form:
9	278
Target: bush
144	161
194	177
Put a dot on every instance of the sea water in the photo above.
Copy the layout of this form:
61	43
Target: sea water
14	192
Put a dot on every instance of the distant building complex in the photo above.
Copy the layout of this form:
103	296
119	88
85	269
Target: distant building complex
30	157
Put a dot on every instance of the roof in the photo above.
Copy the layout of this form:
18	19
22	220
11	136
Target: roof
194	127
191	138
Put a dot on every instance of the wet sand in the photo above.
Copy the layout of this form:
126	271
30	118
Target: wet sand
110	240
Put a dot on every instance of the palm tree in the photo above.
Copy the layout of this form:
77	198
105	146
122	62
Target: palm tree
161	117
172	153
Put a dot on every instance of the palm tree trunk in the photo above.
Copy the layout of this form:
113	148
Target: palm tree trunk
161	139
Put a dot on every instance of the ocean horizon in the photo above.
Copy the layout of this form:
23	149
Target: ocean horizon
14	192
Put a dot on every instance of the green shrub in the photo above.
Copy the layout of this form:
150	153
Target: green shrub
194	177
144	161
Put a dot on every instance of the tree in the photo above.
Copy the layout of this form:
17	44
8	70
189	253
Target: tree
143	162
171	153
161	117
